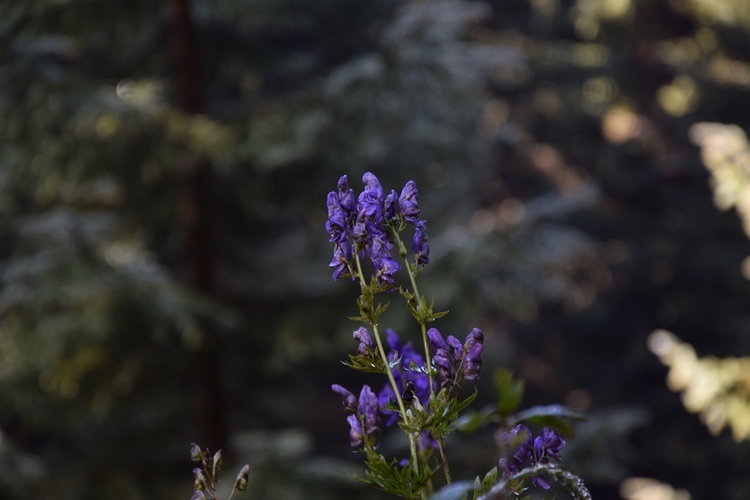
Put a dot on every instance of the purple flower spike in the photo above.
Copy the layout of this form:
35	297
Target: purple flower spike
408	202
362	416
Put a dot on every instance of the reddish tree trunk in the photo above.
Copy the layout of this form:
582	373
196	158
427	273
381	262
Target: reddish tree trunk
196	209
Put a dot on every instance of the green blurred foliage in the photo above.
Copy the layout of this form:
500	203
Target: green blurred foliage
569	217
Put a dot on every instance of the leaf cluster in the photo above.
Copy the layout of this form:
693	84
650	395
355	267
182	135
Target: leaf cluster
398	478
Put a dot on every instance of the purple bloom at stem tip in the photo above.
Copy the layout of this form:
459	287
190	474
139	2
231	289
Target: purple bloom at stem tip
408	202
346	196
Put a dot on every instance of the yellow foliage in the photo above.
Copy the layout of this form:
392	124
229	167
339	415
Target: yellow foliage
718	390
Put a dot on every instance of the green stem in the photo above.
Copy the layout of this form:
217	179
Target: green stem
428	360
381	351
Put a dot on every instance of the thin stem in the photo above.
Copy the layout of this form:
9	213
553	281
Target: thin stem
428	361
381	351
446	469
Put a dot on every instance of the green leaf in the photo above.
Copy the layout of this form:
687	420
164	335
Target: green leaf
509	392
554	416
556	411
455	491
475	420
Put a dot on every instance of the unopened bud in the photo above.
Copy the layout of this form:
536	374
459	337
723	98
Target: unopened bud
200	480
198	495
195	453
241	481
217	463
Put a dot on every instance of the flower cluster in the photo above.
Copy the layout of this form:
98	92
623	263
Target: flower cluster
363	418
367	227
423	392
409	374
528	451
456	361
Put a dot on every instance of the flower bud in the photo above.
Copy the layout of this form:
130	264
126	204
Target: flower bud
195	453
217	463
241	482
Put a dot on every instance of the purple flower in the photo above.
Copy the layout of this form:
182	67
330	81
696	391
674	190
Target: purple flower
404	372
518	440
454	360
390	206
472	362
408	202
548	445
346	196
458	348
527	451
419	247
337	222
366	345
362	414
341	262
370	202
349	402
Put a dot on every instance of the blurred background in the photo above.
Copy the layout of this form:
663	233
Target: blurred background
163	259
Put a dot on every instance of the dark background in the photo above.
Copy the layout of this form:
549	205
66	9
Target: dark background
163	279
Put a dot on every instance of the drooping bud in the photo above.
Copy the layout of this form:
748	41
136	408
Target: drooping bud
241	482
200	480
217	463
195	453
